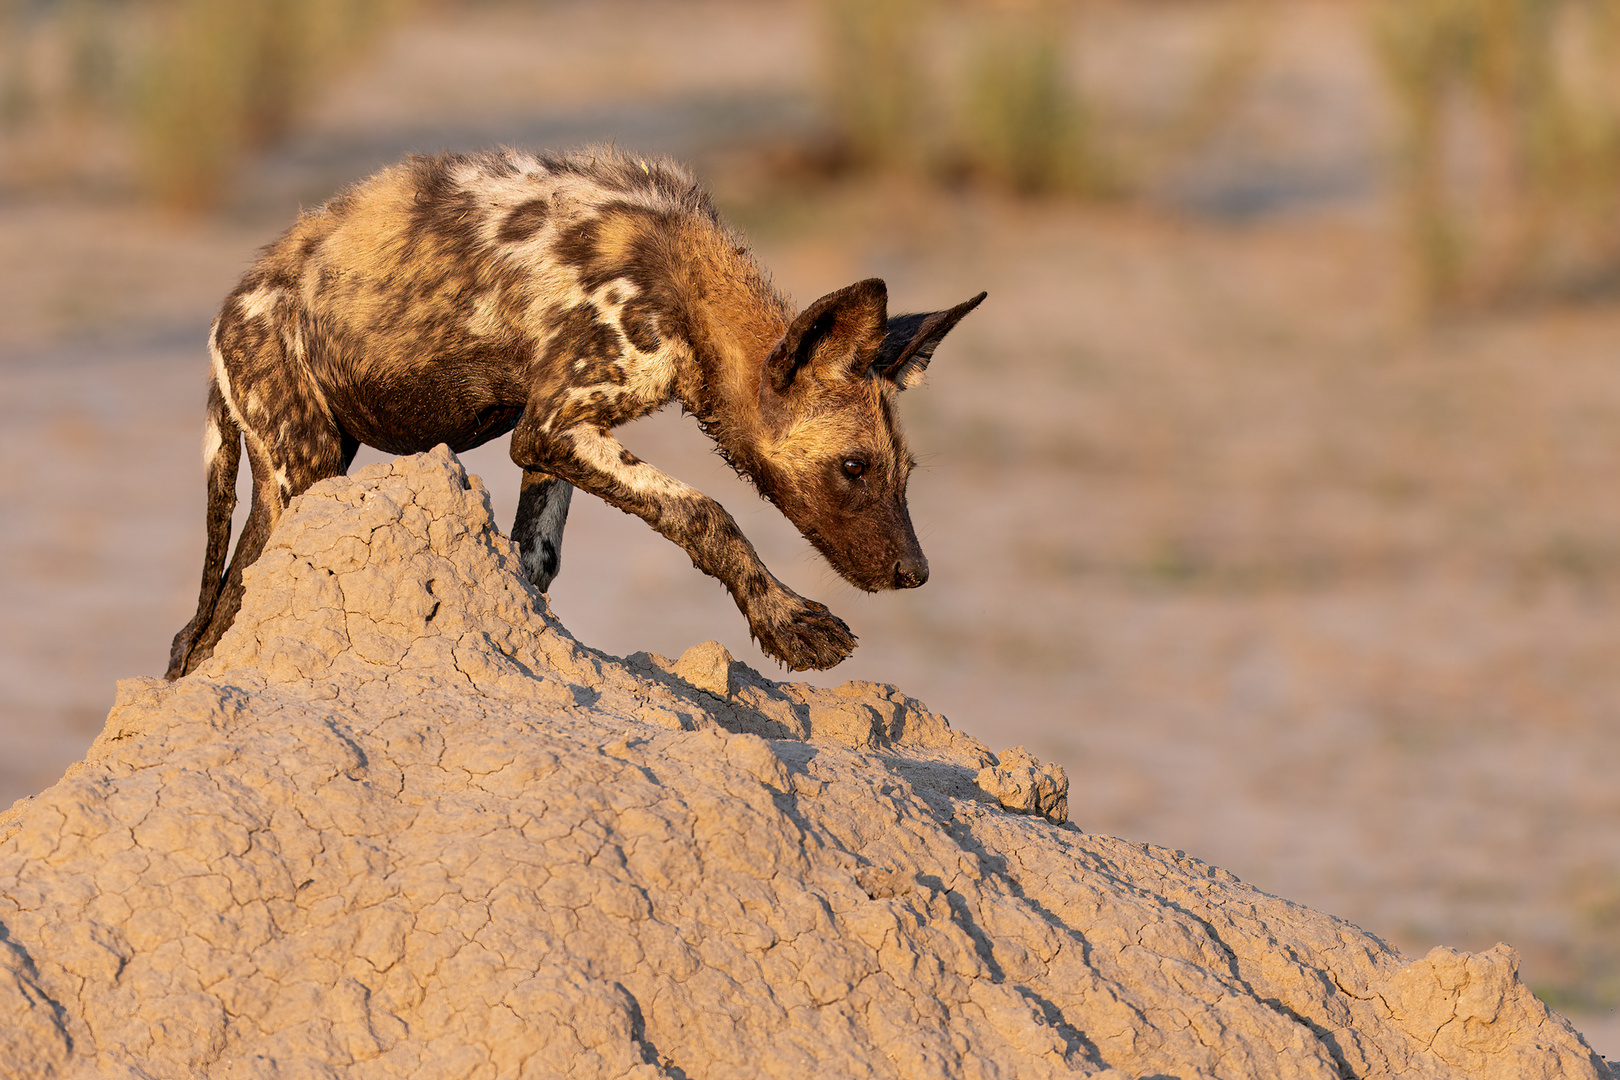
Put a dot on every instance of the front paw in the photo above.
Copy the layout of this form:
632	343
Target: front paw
803	634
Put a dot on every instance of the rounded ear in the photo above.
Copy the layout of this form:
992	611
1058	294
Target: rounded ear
910	341
837	335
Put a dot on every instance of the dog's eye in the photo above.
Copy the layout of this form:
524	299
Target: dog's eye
854	468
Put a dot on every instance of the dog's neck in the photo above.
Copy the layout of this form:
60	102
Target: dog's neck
735	318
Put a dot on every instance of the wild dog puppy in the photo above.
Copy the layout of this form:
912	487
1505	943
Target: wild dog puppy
457	298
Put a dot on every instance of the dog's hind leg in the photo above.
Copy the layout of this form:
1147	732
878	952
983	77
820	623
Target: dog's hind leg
261	520
222	456
541	515
291	443
276	481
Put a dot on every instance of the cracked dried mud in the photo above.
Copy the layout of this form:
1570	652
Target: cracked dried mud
403	824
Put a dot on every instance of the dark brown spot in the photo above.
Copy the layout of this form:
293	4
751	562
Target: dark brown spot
523	222
266	276
580	337
498	163
640	323
445	215
623	241
432	174
561	166
628	458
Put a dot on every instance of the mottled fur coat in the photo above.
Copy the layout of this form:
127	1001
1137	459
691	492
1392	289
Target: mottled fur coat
453	299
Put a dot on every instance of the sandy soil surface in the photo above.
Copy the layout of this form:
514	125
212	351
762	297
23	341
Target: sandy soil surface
1280	577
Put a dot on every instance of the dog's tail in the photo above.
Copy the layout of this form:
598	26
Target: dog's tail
222	456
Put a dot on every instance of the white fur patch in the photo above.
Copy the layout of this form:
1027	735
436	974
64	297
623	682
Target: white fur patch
611	394
651	376
258	303
485	320
603	452
222	378
212	441
913	375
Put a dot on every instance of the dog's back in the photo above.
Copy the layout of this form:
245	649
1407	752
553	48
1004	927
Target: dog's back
438	299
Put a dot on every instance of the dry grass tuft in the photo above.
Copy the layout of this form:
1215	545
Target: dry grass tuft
1023	124
1510	115
177	90
874	78
992	91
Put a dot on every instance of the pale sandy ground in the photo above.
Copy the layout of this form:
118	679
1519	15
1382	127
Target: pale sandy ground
1280	579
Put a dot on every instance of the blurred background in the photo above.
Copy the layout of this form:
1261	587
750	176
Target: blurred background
1272	491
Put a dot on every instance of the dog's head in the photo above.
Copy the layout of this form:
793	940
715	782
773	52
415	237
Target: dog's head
836	461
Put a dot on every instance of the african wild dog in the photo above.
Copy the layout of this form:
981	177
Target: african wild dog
457	298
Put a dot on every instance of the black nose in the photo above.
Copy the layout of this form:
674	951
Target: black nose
911	572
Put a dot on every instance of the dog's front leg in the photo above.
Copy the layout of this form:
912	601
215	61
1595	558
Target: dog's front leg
801	633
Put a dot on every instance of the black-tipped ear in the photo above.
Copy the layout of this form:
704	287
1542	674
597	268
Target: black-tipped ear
842	330
911	339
